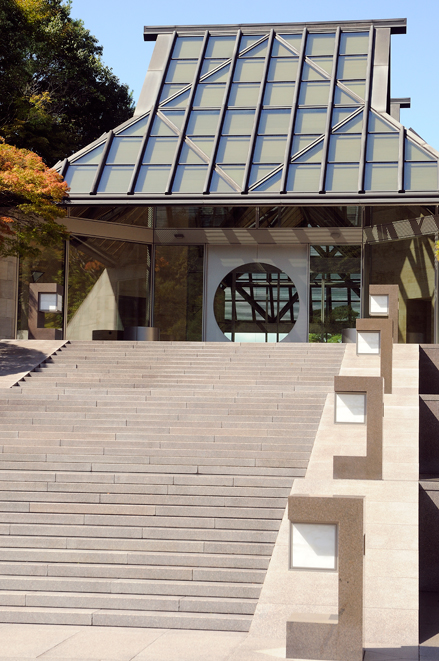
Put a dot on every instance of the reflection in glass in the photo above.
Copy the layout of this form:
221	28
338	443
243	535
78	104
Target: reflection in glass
108	288
256	303
178	292
335	286
204	216
47	267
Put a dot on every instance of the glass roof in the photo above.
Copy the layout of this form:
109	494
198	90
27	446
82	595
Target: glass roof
275	114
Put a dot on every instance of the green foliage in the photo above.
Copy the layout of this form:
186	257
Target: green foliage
56	95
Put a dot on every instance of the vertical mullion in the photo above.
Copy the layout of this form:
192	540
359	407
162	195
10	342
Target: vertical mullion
222	114
401	156
96	180
257	114
151	118
366	111
283	185
329	115
66	288
186	115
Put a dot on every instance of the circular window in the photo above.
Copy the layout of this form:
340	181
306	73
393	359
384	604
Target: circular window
256	303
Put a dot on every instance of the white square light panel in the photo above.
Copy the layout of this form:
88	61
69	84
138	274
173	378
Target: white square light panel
368	342
350	407
379	305
50	303
313	546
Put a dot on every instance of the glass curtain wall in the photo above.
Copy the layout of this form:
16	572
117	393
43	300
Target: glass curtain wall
48	267
108	288
178	292
335	291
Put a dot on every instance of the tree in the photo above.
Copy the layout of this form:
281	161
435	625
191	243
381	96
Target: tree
30	193
56	95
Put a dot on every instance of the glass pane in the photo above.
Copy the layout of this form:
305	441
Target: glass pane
284	68
80	178
94	156
249	39
342	177
248	70
303	178
188	155
209	96
420	176
294	40
258	172
176	117
357	86
203	122
181	71
381	176
124	150
314	94
270	149
220	185
300	142
115	179
159	127
257	51
235	172
313	155
355	125
344	148
233	150
108	288
279	94
352	43
180	101
382	148
326	63
178	293
189	179
220	46
138	128
378	125
279	50
311	121
344	98
335	284
187	47
309	73
413	152
160	150
220	76
320	44
244	94
152	179
274	121
238	122
352	66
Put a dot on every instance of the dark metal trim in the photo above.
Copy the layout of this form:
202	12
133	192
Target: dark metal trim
257	114
368	93
95	184
287	158
188	110
63	169
223	110
151	118
329	115
396	25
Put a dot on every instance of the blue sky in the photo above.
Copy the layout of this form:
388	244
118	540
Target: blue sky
118	25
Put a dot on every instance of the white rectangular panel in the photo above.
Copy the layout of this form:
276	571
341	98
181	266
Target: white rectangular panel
368	342
378	305
350	407
50	303
313	546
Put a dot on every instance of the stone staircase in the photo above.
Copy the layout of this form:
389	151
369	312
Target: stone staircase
143	484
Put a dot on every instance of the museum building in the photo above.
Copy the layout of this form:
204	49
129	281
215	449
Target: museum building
264	181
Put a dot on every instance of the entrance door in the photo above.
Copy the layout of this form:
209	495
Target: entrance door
256	294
